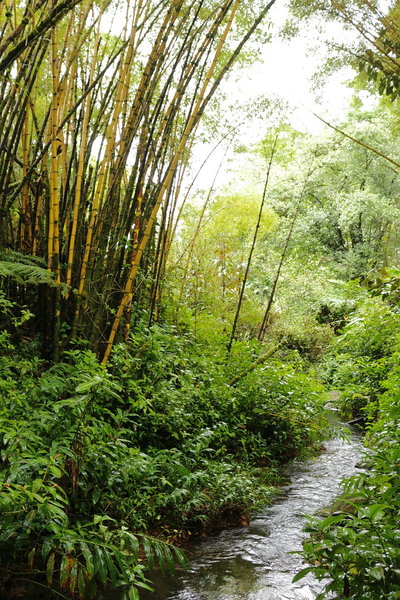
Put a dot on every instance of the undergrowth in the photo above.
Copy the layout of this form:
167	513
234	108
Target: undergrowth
100	470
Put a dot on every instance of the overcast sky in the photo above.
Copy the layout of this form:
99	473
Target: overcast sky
285	70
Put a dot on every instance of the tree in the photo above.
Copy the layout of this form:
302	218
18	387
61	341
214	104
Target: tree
376	54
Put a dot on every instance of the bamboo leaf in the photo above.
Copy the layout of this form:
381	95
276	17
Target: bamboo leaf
113	573
88	558
134	544
133	594
64	570
46	547
82	582
31	557
149	552
100	564
181	558
73	575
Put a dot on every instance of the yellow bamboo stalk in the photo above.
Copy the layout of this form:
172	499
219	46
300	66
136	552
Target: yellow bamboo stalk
191	67
177	193
39	206
53	238
81	164
158	49
127	64
111	148
135	247
26	230
122	95
192	121
111	135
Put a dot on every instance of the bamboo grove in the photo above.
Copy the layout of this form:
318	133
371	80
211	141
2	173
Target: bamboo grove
100	103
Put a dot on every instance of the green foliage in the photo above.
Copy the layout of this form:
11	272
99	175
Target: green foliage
357	547
362	356
92	462
24	269
52	426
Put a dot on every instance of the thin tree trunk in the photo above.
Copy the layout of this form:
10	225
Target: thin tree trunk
246	274
263	327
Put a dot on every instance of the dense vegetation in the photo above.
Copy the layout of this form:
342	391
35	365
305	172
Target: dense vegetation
358	545
164	443
165	349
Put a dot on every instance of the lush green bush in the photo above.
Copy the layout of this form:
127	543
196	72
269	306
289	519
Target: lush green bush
362	357
49	424
357	548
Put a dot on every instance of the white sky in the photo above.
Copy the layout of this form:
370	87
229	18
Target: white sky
285	71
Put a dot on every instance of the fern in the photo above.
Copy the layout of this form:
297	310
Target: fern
25	274
17	257
26	269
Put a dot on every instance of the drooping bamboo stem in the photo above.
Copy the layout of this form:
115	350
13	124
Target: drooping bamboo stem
260	360
195	235
263	327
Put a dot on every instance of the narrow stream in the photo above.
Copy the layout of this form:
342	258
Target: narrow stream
252	563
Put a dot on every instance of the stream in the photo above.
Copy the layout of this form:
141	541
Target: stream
252	563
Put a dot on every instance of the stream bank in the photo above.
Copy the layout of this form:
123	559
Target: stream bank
252	563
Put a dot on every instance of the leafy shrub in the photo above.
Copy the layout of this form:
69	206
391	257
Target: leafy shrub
358	549
362	356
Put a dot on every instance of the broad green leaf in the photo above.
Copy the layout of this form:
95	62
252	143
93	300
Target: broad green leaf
64	570
133	593
100	564
46	547
73	576
302	574
88	558
81	582
149	552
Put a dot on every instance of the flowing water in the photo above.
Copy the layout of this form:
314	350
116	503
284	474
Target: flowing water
252	563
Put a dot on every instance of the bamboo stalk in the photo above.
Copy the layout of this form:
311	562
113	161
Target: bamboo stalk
192	121
260	360
81	164
26	229
55	15
54	202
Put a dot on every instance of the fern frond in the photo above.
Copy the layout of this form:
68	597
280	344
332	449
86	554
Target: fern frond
17	257
25	274
28	270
